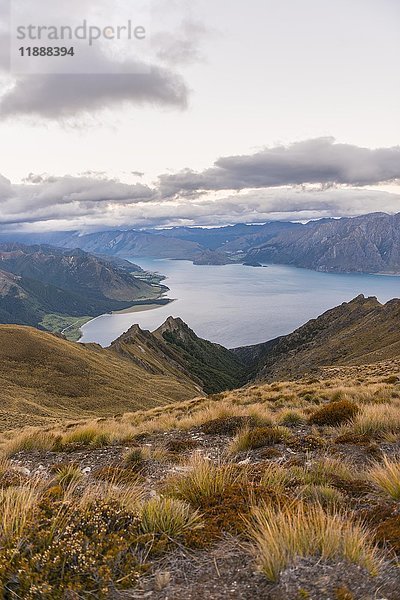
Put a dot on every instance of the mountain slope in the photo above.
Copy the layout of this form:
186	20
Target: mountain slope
132	243
369	243
40	280
174	348
359	332
44	377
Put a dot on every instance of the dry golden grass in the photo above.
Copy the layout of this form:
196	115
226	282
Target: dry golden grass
203	482
376	420
170	516
16	506
282	535
257	437
386	476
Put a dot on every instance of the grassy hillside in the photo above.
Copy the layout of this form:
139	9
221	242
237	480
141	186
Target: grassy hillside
282	491
37	281
359	332
44	378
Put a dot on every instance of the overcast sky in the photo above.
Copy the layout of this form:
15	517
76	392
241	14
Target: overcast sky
238	111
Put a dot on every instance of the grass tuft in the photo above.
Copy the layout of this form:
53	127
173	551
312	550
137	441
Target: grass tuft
284	534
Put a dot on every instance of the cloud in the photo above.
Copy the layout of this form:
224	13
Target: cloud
54	95
103	76
51	203
43	198
320	160
275	186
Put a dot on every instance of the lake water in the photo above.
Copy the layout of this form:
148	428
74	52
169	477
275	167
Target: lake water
237	305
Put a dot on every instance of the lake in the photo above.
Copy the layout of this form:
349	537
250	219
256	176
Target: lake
236	305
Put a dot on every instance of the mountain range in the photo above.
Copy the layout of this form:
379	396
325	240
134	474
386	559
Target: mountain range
368	243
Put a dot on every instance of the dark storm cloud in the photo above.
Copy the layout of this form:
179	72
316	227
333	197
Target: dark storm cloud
320	160
67	95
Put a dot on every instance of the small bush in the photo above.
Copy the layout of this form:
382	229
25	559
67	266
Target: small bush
258	437
306	443
334	413
169	516
388	533
181	445
298	531
226	425
387	477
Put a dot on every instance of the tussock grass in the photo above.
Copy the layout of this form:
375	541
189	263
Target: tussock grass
170	516
16	506
324	495
282	535
203	482
67	475
257	437
291	417
387	477
321	472
376	420
30	441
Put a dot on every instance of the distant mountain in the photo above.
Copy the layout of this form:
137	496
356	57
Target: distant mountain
39	280
369	243
132	243
45	378
359	332
175	348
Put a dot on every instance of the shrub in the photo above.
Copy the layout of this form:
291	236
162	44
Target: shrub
89	549
169	516
334	413
388	533
282	535
226	425
387	477
181	445
258	437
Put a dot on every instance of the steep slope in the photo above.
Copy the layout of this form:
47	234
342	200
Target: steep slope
41	280
132	243
369	243
174	348
44	377
359	332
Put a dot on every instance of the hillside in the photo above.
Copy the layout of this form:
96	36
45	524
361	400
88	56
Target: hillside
174	348
44	378
132	243
277	491
369	243
359	332
41	280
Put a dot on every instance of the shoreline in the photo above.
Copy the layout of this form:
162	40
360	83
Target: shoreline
142	307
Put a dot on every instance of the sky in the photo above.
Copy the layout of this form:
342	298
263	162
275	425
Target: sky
227	112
